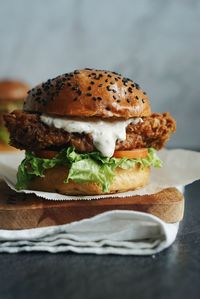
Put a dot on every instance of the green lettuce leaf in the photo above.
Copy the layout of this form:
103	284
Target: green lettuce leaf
85	167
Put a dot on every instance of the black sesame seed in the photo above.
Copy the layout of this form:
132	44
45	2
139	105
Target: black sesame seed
106	80
125	81
88	94
89	87
75	99
99	98
100	85
97	77
128	100
38	93
114	90
144	92
132	85
92	82
76	72
130	90
94	98
46	88
116	79
79	91
88	69
118	101
143	101
108	108
137	86
136	97
114	97
109	76
108	88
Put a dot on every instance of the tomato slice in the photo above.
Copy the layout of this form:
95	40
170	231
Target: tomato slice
133	154
46	154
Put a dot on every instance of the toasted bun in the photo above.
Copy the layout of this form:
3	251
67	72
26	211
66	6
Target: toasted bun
89	93
12	90
7	148
124	180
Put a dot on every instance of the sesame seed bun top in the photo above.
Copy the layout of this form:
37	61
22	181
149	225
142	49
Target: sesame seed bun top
89	93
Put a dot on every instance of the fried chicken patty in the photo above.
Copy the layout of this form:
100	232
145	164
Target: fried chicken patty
29	133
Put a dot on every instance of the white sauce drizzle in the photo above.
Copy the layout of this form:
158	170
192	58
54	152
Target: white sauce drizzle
104	133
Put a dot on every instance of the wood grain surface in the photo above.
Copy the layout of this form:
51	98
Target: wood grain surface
20	211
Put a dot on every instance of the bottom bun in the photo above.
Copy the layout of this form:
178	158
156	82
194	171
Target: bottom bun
124	180
7	148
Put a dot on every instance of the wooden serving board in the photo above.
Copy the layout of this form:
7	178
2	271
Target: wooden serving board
20	210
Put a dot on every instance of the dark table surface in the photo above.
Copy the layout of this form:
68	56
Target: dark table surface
174	273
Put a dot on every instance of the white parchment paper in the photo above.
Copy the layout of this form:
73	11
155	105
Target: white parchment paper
181	167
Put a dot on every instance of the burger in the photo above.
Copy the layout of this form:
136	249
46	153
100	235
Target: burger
12	94
87	132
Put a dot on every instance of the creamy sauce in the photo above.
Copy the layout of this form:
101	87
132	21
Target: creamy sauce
104	133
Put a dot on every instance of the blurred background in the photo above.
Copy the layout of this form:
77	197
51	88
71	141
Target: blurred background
154	42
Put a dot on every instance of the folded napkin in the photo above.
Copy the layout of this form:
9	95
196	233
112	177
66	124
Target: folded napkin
114	232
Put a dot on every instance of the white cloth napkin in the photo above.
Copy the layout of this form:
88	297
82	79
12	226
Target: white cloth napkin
113	232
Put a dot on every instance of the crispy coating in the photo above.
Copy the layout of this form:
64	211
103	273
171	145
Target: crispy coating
28	132
154	131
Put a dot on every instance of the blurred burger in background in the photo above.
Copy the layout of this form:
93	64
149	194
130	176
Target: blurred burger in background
12	94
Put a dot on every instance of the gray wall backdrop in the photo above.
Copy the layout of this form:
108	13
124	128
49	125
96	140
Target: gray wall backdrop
154	42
